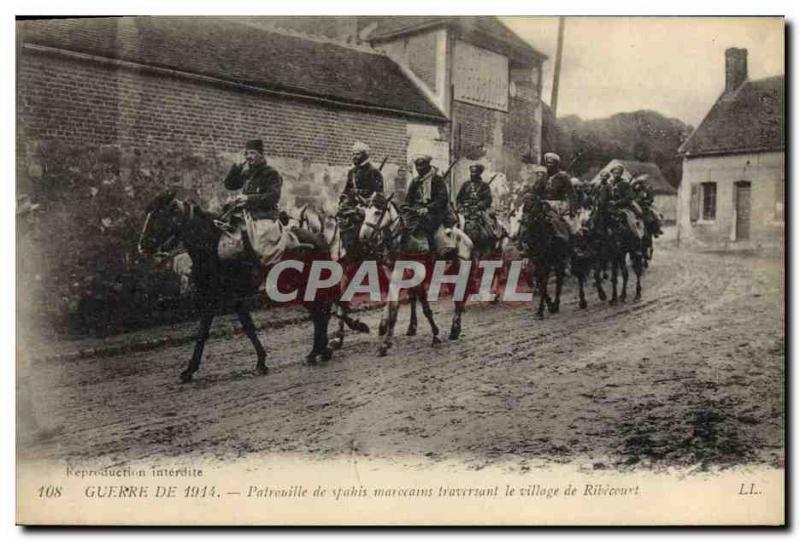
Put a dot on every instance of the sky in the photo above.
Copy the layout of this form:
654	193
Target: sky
673	65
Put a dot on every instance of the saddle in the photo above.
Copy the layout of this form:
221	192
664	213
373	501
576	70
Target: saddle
556	213
633	222
267	239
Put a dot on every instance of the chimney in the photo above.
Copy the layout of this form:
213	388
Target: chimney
735	69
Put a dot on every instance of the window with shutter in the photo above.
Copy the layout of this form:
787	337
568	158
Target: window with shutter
694	204
709	201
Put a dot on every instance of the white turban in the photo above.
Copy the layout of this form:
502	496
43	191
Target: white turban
358	146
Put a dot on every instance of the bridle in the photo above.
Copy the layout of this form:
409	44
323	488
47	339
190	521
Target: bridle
185	210
376	227
304	221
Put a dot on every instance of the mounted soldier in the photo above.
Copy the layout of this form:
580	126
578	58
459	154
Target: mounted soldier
622	202
427	201
558	193
644	197
601	196
559	184
260	184
250	219
474	201
363	180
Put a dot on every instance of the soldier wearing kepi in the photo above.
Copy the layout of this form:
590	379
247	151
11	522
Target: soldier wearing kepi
260	185
363	180
427	200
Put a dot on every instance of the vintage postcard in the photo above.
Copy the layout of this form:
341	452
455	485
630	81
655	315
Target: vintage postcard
400	270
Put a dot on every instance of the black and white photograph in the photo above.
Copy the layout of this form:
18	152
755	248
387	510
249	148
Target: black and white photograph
400	270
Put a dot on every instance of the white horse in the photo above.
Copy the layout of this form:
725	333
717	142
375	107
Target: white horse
384	232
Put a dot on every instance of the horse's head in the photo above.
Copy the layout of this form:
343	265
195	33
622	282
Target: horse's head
310	220
320	223
514	222
161	229
380	216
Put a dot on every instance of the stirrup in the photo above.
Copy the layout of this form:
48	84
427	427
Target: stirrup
224	226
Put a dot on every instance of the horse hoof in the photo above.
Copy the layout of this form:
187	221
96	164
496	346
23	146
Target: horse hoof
539	315
553	309
337	344
326	354
383	350
412	331
262	369
613	302
436	341
311	358
601	295
637	298
582	305
455	333
382	328
186	377
362	327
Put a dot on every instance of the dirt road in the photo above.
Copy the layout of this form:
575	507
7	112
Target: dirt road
692	375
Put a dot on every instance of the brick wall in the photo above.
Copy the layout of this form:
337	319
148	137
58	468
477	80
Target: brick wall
95	143
83	101
504	142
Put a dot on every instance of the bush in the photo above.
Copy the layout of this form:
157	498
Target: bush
78	265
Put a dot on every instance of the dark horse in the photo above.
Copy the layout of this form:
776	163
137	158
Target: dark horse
621	243
171	221
584	256
548	251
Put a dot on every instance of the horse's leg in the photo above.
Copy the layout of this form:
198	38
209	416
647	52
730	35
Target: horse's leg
638	269
338	340
202	335
412	304
321	316
581	275
560	270
426	310
252	333
455	326
598	283
541	285
623	296
614	265
387	324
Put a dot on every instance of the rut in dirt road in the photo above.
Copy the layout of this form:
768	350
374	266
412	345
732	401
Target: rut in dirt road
690	376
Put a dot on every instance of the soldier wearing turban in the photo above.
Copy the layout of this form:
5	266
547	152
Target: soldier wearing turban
427	198
363	181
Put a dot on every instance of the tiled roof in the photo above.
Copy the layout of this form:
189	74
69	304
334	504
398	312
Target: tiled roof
228	50
749	120
490	27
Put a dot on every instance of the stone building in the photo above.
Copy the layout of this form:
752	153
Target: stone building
480	74
732	190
